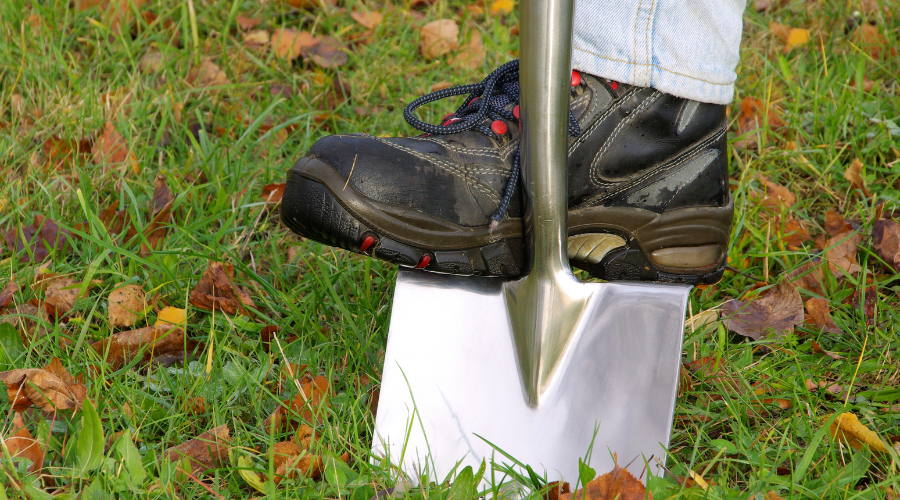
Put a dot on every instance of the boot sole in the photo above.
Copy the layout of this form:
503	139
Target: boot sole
612	243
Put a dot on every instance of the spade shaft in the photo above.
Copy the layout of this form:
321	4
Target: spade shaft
547	305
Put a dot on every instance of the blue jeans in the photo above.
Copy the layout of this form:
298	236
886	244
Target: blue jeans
688	48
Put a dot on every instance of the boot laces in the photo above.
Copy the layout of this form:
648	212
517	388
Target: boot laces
487	99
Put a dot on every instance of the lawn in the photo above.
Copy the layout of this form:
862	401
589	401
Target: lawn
165	336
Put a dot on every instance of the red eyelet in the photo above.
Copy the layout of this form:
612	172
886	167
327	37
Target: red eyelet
367	242
498	127
423	262
516	111
576	78
614	85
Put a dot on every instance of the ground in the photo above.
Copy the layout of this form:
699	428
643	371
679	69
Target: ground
148	131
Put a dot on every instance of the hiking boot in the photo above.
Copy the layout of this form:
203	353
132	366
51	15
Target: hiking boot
648	186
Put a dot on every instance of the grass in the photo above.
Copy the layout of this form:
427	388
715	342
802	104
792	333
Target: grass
57	66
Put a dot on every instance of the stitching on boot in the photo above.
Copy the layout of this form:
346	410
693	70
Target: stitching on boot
614	105
595	174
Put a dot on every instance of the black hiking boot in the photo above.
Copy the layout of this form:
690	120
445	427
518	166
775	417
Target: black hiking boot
648	186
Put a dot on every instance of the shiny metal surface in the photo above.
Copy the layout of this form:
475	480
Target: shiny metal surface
451	375
545	365
547	307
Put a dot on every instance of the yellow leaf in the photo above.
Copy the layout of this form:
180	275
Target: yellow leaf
501	7
796	36
171	316
849	430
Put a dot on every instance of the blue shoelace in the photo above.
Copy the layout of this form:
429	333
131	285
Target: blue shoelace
487	99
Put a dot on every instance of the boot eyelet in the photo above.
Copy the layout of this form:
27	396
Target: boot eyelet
499	127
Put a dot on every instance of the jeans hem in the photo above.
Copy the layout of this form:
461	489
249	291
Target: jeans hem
667	81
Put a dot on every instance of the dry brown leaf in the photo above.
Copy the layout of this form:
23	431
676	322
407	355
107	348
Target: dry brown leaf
272	193
161	210
60	153
777	195
195	406
555	490
773	495
216	291
110	148
207	451
308	405
328	53
368	19
816	348
774	312
819	314
38	239
835	223
20	444
841	253
288	43
44	388
284	451
439	37
617	484
246	23
886	236
257	38
470	55
795	234
305	465
754	114
152	62
854	175
207	74
869	39
849	430
126	305
6	295
61	294
149	342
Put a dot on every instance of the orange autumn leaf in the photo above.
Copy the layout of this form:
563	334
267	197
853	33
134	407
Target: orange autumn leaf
849	430
216	291
20	444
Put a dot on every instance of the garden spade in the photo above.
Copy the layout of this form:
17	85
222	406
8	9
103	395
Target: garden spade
543	369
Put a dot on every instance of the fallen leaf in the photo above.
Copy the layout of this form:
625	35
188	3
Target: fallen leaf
791	37
307	465
272	193
126	303
439	86
149	342
110	148
59	153
284	451
773	495
328	53
439	37
841	252
20	444
849	430
854	175
308	405
870	40
152	62
819	315
835	223
794	234
195	406
288	43
777	195
207	74
816	348
38	239
368	19
886	236
216	291
554	490
617	484
257	38
161	210
501	7
171	316
207	451
6	295
43	388
868	303
60	295
774	312
246	23
752	117
470	55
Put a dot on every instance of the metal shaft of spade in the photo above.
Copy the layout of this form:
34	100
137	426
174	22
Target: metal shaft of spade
546	306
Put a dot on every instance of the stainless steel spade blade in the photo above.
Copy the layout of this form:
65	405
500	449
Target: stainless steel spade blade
545	368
